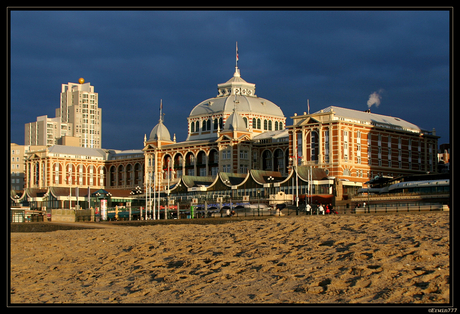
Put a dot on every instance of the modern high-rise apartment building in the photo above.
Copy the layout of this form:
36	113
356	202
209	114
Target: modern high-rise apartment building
79	106
46	131
78	118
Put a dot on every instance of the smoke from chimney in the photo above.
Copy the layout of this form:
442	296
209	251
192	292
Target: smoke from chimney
374	99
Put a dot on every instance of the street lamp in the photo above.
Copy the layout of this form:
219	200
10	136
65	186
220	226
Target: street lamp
230	204
258	203
136	191
270	180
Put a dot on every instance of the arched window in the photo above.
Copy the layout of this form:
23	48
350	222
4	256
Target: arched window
245	121
192	127
267	160
204	125
279	160
91	175
190	164
215	124
254	123
81	169
167	167
178	160
270	125
137	173
71	179
57	173
102	176
201	164
314	145
121	173
276	125
129	174
208	125
112	172
213	162
258	124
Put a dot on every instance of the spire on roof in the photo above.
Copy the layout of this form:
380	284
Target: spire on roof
160	132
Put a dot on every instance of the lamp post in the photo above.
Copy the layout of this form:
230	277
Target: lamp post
177	203
270	181
136	191
369	196
129	215
258	203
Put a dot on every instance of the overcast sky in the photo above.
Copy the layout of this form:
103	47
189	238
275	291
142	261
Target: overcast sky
135	58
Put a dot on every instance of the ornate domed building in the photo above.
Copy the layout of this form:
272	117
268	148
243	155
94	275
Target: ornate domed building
239	146
236	95
224	135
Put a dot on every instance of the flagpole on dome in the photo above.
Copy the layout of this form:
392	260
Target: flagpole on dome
237	71
236	61
161	110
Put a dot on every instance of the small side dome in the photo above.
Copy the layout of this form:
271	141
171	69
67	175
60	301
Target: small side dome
235	122
160	133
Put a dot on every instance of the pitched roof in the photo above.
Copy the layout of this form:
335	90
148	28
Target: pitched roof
272	134
77	151
375	119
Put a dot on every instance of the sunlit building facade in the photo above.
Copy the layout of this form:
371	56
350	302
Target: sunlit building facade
238	144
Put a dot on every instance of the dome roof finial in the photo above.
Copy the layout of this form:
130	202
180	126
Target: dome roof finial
160	132
237	72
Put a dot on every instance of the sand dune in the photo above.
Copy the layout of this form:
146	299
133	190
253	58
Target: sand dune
334	259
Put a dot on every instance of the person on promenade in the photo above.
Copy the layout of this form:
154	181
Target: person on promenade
331	208
321	209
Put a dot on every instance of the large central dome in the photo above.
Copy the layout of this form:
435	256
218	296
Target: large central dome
237	95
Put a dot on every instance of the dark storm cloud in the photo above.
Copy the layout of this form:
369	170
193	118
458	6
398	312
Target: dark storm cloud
136	58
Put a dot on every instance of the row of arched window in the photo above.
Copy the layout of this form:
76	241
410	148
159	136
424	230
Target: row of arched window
205	125
92	175
128	175
276	161
187	164
268	125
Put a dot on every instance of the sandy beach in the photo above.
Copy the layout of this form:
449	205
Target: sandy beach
401	258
